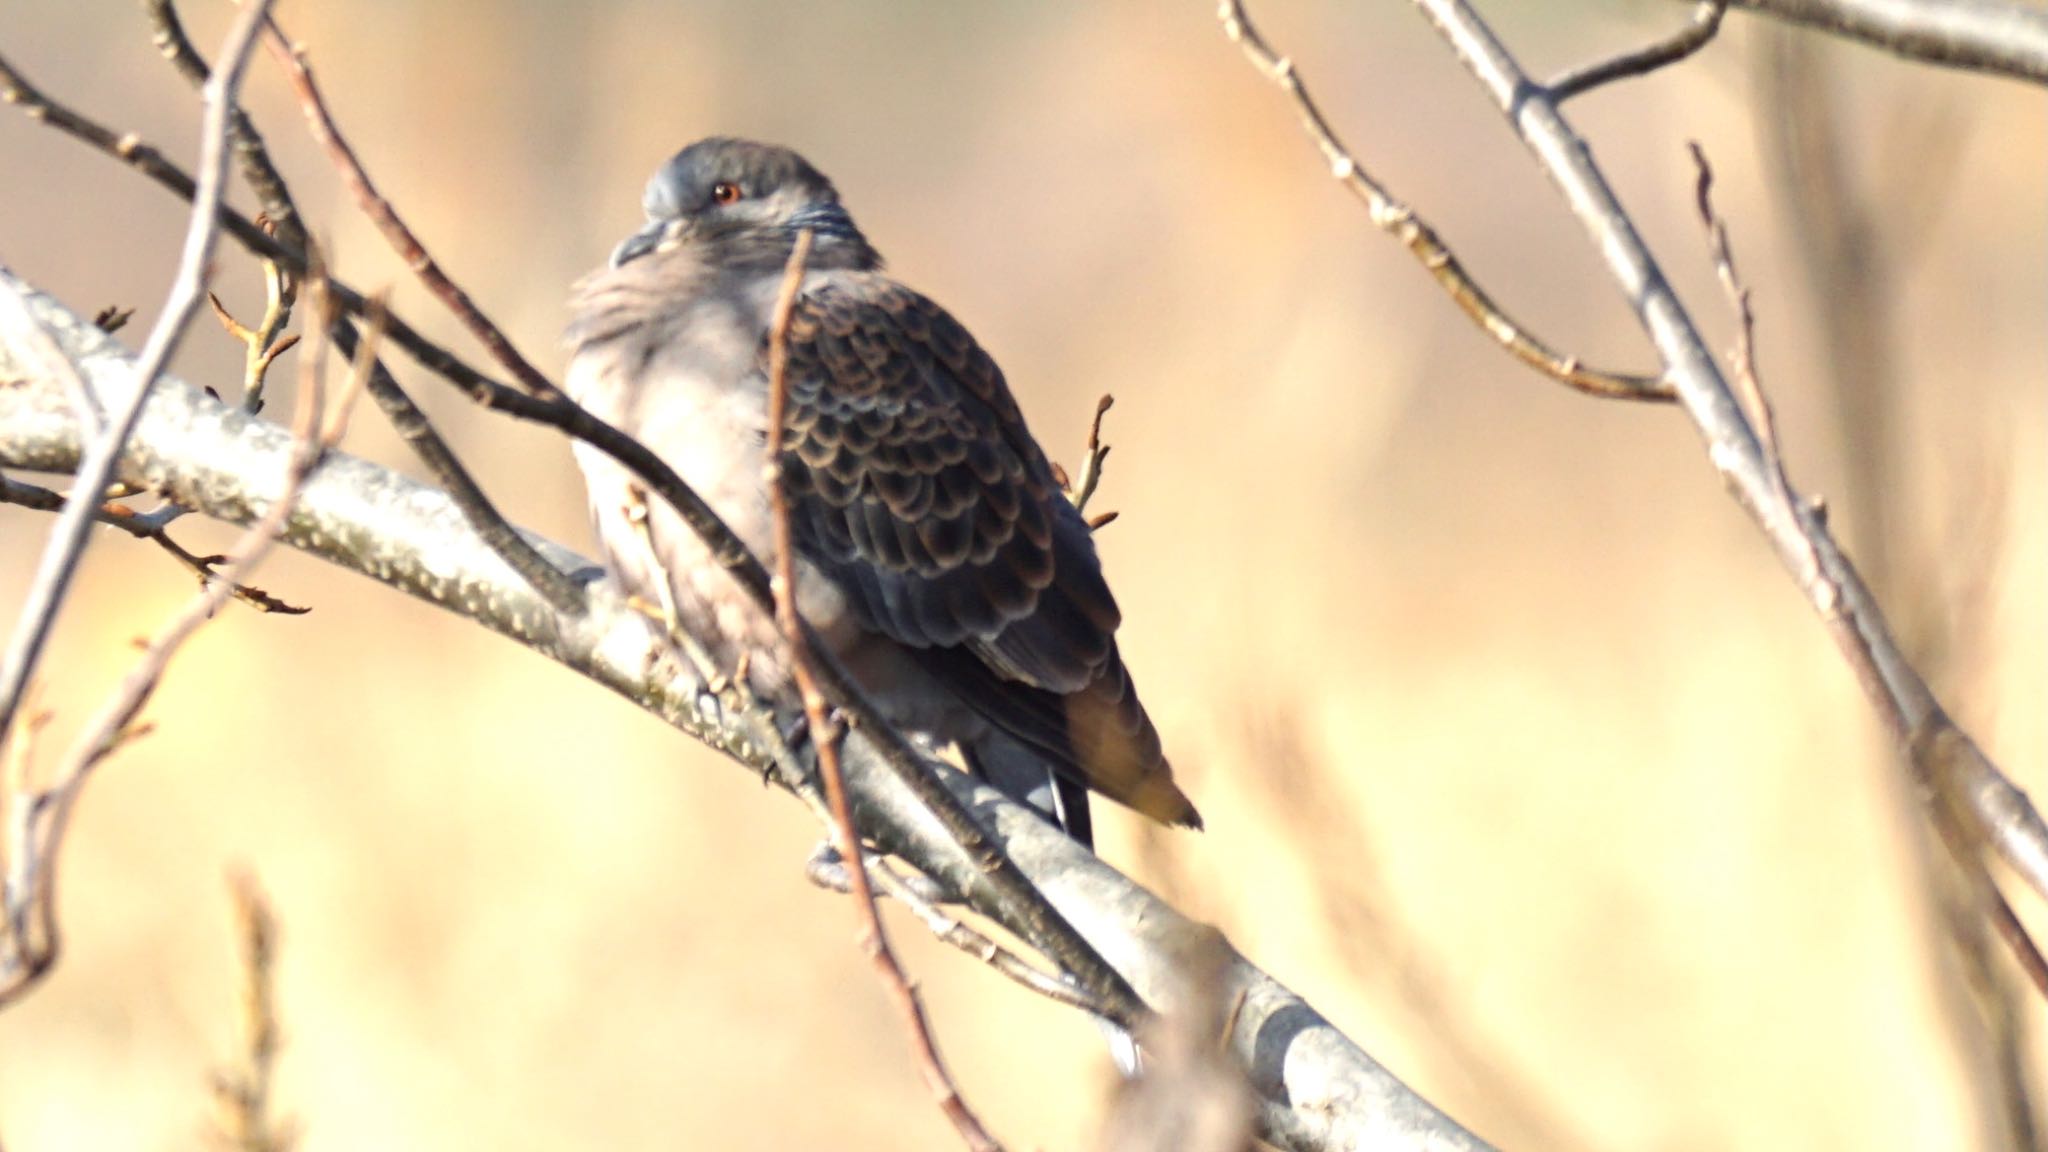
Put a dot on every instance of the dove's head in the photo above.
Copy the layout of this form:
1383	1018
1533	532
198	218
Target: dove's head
739	204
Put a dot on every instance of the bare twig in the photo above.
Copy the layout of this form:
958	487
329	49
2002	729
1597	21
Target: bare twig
242	1092
146	527
2004	37
68	539
951	930
1083	486
261	345
401	238
1400	221
150	161
410	421
167	32
825	731
1706	22
1853	246
1955	829
37	832
1748	384
406	417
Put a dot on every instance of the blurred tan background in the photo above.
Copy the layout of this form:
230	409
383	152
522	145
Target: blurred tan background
1520	755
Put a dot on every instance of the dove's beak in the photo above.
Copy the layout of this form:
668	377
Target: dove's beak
640	243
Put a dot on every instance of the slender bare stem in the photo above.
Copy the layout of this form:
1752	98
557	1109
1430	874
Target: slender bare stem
36	837
68	539
826	734
1706	22
1398	220
402	239
152	526
243	1092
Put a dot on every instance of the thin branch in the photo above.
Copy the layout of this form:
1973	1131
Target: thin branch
1706	22
242	1093
1400	221
1748	383
261	345
150	161
825	731
827	869
167	32
1318	1091
146	527
36	839
410	421
2002	37
1082	489
280	215
406	417
328	135
68	539
1954	827
1796	528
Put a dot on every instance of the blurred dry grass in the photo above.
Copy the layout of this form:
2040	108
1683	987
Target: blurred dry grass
1606	788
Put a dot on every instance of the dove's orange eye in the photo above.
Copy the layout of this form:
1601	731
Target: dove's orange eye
724	192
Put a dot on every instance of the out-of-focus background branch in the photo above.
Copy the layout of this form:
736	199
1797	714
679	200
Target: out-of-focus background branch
1605	775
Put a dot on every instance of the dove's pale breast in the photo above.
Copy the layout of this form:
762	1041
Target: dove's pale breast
677	368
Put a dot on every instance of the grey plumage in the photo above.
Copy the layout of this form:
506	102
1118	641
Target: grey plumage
936	554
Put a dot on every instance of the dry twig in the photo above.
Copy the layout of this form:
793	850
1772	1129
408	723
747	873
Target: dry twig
280	216
68	539
146	526
825	731
41	817
261	345
1080	490
328	135
1400	221
150	161
242	1092
828	870
1706	22
406	417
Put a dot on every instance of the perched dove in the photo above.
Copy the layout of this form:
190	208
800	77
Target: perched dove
935	553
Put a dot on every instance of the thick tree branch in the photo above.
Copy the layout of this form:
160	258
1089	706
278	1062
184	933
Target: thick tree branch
2004	37
1317	1090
